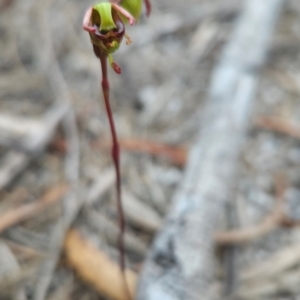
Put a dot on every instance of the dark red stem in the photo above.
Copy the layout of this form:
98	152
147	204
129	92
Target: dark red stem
116	158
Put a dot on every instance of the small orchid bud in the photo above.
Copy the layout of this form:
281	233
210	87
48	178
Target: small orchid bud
113	64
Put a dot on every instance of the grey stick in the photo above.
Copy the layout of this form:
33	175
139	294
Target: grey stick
180	264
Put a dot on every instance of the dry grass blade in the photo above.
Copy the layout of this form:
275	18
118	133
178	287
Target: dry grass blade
95	268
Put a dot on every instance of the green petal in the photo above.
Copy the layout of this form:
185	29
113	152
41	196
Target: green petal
132	6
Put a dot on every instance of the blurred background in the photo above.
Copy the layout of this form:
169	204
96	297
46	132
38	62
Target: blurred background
57	179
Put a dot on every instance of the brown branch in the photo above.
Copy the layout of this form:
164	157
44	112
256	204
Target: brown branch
279	125
176	154
272	221
24	212
96	268
5	4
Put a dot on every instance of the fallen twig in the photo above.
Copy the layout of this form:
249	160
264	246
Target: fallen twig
279	125
140	214
101	184
32	137
6	4
180	262
272	221
22	252
111	231
72	202
14	163
176	154
31	134
23	212
276	274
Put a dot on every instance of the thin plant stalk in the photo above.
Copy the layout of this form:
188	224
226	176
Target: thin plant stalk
115	153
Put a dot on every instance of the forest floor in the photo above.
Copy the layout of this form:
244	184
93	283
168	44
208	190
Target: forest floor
57	182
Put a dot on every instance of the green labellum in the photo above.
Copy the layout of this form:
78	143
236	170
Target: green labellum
105	21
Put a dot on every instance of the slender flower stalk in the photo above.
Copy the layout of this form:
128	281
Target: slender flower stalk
105	24
115	153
